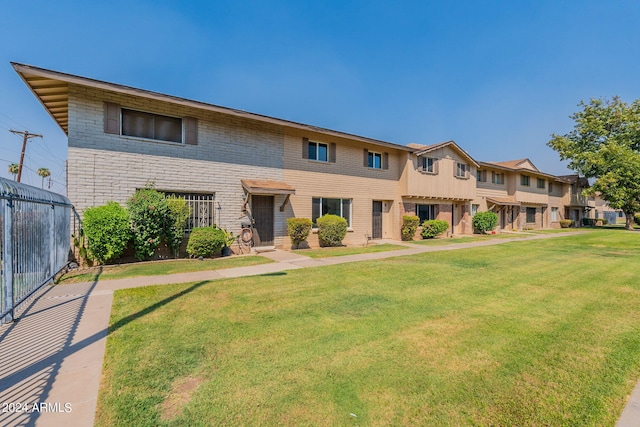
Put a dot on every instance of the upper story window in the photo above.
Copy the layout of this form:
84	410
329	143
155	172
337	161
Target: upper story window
374	160
497	178
524	180
462	170
482	176
541	183
427	165
140	124
550	187
318	151
151	126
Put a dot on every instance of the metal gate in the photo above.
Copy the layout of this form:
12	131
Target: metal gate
34	241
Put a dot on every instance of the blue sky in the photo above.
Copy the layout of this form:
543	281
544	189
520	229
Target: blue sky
498	77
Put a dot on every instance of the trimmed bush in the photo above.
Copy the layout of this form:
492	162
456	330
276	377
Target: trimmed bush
410	224
177	216
298	229
331	230
205	241
433	228
149	211
485	221
566	223
107	230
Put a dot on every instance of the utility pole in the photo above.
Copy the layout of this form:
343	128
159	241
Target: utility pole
25	136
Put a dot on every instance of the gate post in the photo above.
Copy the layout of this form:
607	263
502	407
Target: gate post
7	260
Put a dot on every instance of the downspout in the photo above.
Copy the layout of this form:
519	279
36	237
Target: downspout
453	214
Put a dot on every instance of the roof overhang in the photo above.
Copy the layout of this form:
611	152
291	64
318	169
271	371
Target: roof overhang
52	88
429	148
266	187
438	198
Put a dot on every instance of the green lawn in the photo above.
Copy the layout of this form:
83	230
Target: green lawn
527	333
341	251
157	268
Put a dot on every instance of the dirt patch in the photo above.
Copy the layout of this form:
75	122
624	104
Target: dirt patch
179	396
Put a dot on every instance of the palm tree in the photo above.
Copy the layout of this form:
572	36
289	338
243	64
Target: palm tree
13	169
43	172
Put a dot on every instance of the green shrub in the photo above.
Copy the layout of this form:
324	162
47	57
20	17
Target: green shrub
149	211
566	223
331	230
485	221
605	221
433	228
298	229
107	230
636	218
178	214
205	241
410	224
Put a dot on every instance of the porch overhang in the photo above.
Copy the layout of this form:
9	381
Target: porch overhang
266	187
502	202
524	202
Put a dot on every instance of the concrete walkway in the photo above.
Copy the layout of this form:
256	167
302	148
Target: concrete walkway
51	357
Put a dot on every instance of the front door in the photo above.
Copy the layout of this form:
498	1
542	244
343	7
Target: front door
376	226
262	210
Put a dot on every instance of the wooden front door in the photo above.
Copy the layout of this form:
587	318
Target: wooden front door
376	226
262	209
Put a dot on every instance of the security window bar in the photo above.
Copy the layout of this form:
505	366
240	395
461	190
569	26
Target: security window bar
201	209
322	206
151	126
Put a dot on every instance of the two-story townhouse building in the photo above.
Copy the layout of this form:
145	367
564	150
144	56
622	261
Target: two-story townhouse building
576	204
518	192
233	167
439	182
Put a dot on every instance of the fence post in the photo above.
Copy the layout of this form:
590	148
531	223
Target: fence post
52	241
7	260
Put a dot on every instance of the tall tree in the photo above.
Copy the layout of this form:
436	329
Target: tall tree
605	145
13	169
43	172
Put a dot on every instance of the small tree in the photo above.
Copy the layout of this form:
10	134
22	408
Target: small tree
44	173
13	169
149	211
298	230
410	224
485	221
178	215
331	230
205	241
107	230
433	228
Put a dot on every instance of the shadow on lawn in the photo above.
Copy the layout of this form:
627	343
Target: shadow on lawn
130	318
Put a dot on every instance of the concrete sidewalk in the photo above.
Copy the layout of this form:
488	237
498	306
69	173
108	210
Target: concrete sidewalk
52	355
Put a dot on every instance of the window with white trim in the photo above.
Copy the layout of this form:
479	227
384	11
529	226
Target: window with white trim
554	215
428	164
374	160
318	151
321	206
462	170
474	209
